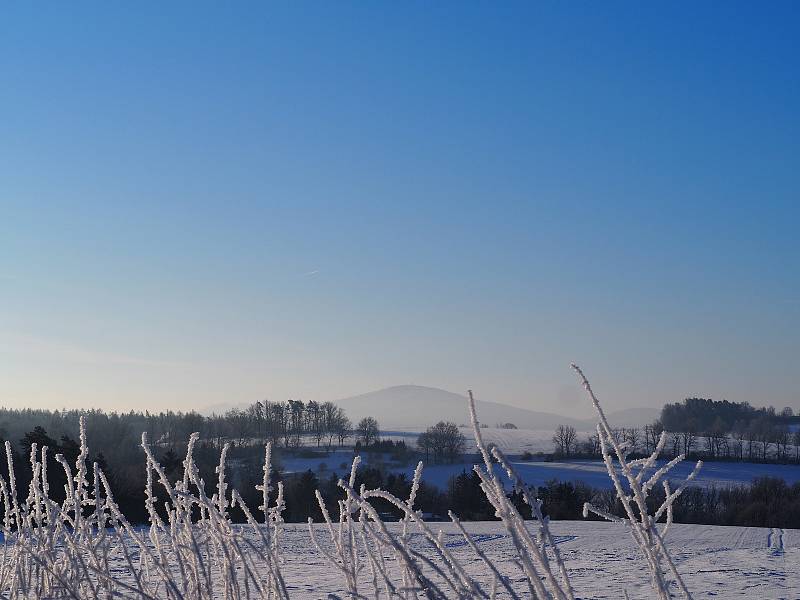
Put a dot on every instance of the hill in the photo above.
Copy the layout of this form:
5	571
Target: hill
417	407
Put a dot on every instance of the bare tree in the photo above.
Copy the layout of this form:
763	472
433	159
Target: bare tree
675	443
761	433
316	421
255	412
738	435
591	445
796	442
239	423
564	440
688	439
330	414
751	435
782	438
444	439
716	438
618	433
344	428
425	443
652	433
296	423
368	431
633	439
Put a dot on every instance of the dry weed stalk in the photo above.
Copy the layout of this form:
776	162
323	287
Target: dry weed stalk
641	523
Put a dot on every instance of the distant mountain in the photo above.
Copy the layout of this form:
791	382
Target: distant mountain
417	407
414	406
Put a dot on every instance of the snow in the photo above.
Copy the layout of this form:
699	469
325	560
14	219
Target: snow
726	562
338	460
534	472
593	472
601	559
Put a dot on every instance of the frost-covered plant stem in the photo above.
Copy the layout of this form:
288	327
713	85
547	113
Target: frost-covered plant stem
532	554
641	524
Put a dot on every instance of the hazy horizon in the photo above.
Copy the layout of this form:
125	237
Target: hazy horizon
220	204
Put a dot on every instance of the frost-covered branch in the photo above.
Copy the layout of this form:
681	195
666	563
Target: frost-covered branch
633	494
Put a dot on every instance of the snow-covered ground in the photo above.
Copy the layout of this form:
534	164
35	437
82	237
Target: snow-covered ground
591	472
723	562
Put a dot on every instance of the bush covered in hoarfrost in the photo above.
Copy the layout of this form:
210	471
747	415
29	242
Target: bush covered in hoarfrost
84	547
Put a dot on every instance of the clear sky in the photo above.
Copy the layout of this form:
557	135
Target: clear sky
204	203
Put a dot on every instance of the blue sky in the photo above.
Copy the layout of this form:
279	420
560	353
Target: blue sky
203	204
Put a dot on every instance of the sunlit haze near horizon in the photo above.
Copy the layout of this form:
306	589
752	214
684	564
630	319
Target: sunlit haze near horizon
215	204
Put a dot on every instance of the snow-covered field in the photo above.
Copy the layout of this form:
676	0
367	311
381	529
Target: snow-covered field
601	560
591	472
54	550
517	441
722	562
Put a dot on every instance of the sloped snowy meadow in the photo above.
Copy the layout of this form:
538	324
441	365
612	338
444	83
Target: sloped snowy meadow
722	562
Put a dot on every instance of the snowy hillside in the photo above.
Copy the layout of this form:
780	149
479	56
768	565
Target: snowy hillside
593	472
722	562
720	474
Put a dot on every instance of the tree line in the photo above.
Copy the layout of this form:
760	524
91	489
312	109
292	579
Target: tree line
766	502
702	428
566	443
705	414
723	429
289	424
115	438
758	442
